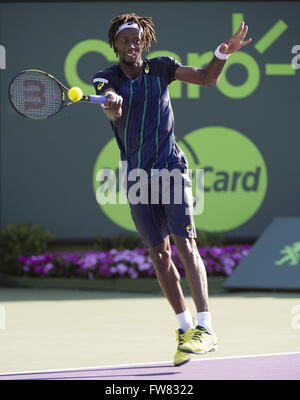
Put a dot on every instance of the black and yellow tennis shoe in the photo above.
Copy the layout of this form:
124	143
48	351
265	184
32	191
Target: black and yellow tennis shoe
181	358
199	341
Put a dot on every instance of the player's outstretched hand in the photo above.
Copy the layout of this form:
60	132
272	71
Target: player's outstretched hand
236	42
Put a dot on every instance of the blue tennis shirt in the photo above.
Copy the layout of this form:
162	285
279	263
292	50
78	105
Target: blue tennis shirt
145	132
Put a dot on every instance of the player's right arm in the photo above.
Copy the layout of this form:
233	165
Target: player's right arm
105	83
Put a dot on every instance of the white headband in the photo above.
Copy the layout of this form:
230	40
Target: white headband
132	25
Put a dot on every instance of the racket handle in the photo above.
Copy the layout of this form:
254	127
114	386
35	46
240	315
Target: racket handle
97	99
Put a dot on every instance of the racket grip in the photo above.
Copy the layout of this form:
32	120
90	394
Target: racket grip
97	99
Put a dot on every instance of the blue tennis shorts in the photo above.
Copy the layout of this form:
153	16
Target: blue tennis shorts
165	206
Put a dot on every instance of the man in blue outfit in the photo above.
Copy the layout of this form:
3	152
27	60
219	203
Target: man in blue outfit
142	119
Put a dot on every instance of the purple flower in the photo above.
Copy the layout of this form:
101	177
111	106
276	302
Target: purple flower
138	259
228	270
245	252
38	270
217	267
217	259
209	261
144	266
216	251
90	260
246	247
69	258
229	249
151	272
237	257
107	260
227	262
48	267
121	268
141	251
104	270
132	272
209	270
202	252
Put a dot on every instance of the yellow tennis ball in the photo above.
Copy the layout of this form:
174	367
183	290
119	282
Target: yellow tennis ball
75	94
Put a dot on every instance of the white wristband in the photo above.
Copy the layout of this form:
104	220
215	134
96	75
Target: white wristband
220	55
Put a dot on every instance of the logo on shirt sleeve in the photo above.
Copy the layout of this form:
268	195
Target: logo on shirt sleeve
101	83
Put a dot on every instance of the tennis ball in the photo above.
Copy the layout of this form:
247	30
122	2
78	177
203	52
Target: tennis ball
75	94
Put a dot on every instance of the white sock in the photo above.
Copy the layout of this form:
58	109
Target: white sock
185	320
204	319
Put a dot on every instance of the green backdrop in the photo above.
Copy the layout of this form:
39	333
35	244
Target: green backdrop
244	131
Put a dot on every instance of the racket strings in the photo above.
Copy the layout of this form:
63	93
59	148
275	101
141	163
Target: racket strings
36	95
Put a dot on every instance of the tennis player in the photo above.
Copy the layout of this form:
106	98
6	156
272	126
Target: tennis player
141	117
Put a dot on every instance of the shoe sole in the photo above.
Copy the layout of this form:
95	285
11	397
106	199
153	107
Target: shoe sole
211	350
184	362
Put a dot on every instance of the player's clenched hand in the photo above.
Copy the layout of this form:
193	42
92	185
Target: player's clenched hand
113	105
113	101
236	41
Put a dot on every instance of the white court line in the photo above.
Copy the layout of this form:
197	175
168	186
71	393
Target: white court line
141	364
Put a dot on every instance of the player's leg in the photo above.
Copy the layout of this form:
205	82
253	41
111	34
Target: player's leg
181	224
179	212
202	339
151	224
169	280
194	269
167	275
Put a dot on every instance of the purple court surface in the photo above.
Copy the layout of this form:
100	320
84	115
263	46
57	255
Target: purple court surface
283	366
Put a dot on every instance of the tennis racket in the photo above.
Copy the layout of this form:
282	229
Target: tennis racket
38	95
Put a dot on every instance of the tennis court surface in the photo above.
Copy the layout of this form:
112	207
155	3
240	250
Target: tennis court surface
91	335
258	367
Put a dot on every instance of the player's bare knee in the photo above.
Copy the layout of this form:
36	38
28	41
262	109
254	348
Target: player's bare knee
161	258
186	249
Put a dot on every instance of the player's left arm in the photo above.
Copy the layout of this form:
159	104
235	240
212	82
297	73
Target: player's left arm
209	75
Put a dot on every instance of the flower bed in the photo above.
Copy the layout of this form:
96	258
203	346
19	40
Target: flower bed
218	261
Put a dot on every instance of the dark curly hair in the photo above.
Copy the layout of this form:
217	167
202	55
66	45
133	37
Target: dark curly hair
143	22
